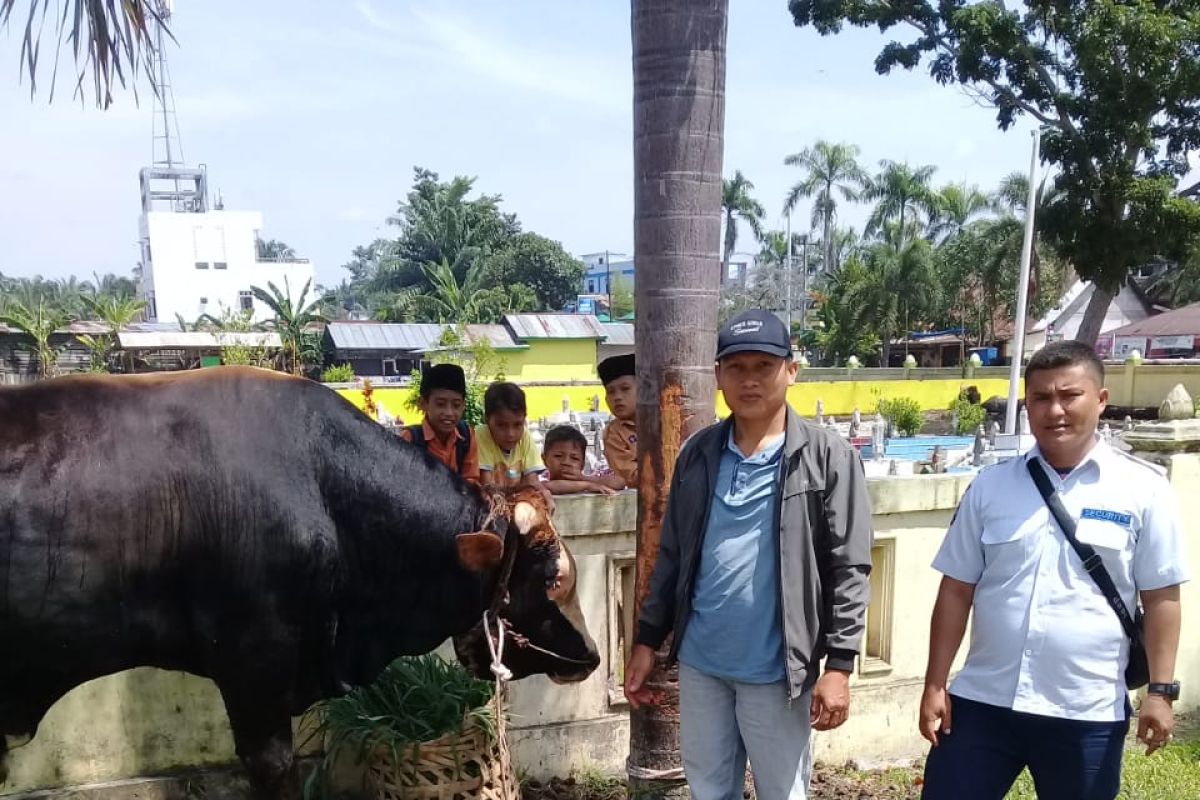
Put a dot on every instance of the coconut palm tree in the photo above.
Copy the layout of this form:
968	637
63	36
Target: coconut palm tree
955	206
737	204
830	169
900	286
39	322
900	193
678	144
1013	196
292	318
112	40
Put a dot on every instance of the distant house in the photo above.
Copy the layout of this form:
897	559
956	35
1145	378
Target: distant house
1173	334
1063	321
532	347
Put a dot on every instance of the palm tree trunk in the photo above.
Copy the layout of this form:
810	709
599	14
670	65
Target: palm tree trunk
827	267
730	241
678	122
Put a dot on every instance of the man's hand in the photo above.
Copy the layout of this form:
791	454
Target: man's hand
831	700
1156	722
637	672
935	713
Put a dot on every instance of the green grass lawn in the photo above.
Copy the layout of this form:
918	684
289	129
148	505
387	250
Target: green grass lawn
1171	773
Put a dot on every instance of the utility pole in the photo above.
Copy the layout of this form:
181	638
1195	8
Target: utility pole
612	317
787	275
803	287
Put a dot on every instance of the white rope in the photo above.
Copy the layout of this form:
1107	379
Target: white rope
496	649
639	773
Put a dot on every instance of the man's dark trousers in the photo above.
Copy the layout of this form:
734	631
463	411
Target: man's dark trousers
989	745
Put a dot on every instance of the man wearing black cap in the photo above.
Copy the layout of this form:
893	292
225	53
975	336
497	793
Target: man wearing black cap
442	432
762	573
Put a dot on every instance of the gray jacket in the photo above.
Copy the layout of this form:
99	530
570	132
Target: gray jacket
824	548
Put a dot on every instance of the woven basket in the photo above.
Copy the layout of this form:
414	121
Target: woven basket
460	766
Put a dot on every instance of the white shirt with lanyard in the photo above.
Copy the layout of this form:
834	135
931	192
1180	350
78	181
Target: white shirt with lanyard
1043	639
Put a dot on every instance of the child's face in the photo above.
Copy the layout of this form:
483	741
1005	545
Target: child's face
444	410
564	461
621	396
507	427
755	384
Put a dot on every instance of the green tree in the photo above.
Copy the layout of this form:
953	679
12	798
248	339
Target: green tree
841	332
830	169
955	205
273	250
109	40
38	322
448	301
292	318
624	302
1115	87
1013	196
539	263
900	288
737	204
900	193
438	222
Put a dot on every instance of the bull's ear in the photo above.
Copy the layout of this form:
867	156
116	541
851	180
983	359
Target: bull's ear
524	516
479	551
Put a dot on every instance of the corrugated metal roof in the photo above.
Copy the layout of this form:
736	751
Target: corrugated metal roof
499	336
1180	322
617	333
384	336
553	326
195	340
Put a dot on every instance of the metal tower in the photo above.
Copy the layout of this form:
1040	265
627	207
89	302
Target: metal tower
167	146
167	185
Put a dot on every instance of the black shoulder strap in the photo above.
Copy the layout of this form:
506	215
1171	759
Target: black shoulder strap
463	446
1087	554
418	435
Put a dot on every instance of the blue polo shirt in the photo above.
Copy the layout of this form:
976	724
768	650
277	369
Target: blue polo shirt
734	629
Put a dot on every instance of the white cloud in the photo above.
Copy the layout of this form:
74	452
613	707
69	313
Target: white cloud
567	76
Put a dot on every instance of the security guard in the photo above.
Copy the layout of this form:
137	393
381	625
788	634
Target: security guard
1044	681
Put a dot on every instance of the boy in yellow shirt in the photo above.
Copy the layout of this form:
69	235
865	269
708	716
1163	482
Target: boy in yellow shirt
619	377
507	454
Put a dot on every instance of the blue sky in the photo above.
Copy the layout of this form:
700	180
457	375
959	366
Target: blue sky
315	113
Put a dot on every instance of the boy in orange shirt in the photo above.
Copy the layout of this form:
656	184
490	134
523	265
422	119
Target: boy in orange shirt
620	435
443	433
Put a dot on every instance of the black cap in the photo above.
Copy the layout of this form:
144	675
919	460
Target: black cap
754	332
615	367
443	376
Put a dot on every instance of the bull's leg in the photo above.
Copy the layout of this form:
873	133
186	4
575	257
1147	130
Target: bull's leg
262	734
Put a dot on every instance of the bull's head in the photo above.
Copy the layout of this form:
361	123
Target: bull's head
533	592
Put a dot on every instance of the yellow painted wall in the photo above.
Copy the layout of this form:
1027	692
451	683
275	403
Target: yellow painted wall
552	360
840	397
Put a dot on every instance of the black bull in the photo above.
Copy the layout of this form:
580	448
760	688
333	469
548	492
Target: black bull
259	531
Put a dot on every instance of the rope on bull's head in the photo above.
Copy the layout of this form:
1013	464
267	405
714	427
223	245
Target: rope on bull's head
496	650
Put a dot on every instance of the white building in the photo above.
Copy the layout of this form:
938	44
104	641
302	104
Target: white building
199	261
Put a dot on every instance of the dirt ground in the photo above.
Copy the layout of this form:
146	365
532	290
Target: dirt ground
828	783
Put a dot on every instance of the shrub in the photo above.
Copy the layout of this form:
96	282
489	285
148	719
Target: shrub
970	415
904	413
339	373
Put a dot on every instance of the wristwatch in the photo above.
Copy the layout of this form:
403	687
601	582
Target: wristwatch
1168	690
